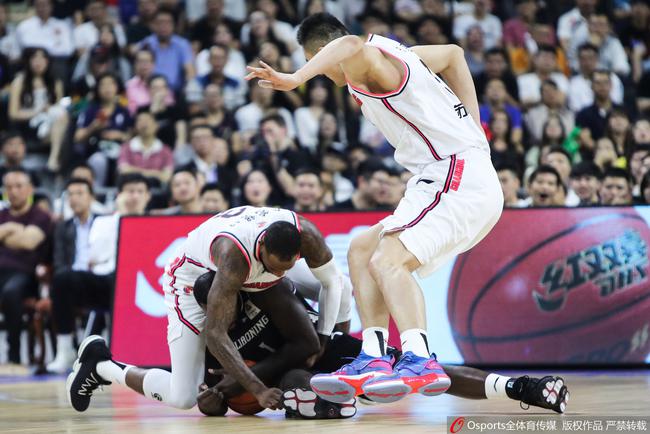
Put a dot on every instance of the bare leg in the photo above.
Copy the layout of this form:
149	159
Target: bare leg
466	382
391	267
57	133
135	379
370	301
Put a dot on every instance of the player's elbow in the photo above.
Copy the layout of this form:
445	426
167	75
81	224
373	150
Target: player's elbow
457	54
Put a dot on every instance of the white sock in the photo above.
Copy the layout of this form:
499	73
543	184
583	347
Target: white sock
64	343
375	341
495	386
113	371
415	341
156	385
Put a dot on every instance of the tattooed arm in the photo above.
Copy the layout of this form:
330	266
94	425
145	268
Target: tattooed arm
232	270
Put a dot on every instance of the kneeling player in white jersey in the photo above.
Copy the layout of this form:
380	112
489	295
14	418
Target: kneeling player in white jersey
251	249
452	201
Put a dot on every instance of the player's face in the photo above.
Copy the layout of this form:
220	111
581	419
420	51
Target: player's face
275	265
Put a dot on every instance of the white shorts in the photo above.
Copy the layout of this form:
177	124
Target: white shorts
447	209
186	316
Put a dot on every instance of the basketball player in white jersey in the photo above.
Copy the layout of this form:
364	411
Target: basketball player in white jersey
251	249
450	204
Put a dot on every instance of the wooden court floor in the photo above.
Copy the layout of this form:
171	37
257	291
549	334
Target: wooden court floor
41	407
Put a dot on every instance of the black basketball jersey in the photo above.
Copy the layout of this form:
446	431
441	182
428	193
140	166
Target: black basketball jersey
253	334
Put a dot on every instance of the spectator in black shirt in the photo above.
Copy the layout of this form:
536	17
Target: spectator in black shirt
276	153
496	66
24	234
140	26
203	30
370	174
594	117
13	154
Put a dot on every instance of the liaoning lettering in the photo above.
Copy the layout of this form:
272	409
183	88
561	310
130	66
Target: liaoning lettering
252	333
610	267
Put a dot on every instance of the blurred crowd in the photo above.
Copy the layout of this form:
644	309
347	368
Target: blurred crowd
115	107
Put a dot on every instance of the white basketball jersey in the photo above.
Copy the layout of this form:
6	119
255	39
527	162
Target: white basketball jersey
422	119
245	227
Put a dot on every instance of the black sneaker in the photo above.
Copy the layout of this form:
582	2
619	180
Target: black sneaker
305	404
547	392
84	379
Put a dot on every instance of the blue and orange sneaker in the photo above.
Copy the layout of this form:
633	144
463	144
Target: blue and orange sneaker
411	374
346	383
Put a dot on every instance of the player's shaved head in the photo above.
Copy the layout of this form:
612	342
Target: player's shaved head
282	239
318	30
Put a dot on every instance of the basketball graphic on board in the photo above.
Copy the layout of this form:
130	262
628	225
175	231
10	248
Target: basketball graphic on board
560	288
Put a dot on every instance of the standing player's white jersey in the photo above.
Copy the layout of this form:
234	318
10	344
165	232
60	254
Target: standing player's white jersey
422	119
245	227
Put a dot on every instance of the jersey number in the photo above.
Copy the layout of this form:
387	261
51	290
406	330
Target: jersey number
232	212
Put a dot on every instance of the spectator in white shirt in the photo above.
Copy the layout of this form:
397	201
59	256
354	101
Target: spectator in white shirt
545	67
8	43
574	21
44	31
132	199
598	32
248	117
580	93
490	24
283	31
236	63
308	118
551	104
86	34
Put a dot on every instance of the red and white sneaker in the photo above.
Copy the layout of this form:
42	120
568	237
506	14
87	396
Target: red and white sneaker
411	374
346	383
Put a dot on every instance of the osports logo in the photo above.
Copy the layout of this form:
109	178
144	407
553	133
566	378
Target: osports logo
457	425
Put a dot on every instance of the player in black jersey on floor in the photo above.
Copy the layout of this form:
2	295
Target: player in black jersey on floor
272	324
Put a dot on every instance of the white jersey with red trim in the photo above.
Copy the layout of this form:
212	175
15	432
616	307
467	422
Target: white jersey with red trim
245	226
422	119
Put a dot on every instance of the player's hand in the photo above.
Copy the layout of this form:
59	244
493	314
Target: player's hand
272	79
270	398
211	401
227	385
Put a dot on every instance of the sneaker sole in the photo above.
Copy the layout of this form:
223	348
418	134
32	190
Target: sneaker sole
340	388
387	391
394	390
307	405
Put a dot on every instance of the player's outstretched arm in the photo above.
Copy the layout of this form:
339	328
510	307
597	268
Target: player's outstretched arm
449	61
320	260
343	49
232	270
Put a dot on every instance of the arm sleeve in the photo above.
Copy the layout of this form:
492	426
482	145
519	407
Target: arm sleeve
329	299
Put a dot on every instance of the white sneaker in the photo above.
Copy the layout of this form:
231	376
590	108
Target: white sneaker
63	361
